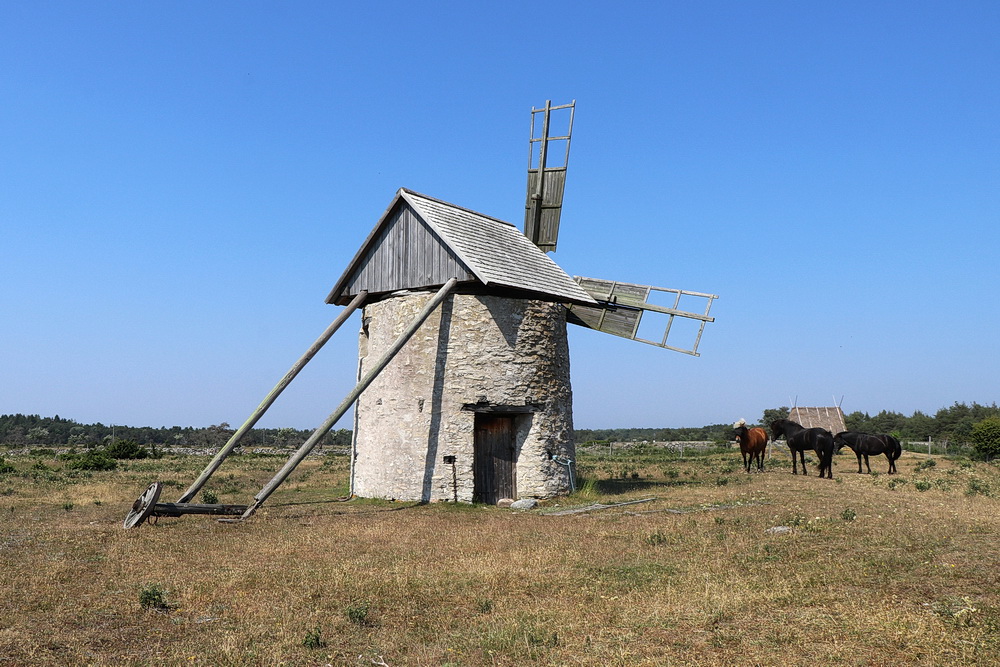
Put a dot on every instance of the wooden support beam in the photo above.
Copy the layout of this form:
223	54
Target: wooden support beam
271	397
369	377
177	509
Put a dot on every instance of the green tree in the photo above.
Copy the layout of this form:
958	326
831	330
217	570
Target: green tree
985	437
39	435
771	414
858	421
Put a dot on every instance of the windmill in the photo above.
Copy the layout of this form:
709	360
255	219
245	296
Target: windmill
463	390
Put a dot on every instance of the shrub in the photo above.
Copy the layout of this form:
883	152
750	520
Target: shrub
92	460
978	487
126	449
5	467
152	596
925	465
985	437
848	515
922	485
209	497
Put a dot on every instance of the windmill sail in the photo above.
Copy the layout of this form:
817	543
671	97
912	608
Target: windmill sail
547	173
621	307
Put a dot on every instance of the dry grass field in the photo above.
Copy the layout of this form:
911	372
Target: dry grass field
863	570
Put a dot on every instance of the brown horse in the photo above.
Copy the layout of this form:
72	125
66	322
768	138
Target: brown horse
753	444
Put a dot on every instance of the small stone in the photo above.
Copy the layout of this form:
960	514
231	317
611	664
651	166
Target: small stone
524	504
779	530
505	502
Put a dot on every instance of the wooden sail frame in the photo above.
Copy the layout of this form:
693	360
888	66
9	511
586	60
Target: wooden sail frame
621	305
546	183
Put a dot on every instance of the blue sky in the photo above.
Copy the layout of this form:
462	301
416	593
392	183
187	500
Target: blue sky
182	183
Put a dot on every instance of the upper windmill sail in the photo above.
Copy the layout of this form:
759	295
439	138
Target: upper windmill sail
547	173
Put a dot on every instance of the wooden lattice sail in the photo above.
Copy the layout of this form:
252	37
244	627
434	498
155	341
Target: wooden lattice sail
621	307
547	174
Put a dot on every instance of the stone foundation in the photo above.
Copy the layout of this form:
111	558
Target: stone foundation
475	354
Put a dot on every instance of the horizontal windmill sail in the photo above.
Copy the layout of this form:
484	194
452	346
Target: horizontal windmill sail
621	307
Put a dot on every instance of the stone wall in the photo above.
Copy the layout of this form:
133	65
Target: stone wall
492	352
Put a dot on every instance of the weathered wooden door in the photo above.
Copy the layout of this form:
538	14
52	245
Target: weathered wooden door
494	473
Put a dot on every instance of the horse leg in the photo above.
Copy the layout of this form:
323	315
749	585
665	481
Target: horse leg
892	464
802	455
859	463
868	466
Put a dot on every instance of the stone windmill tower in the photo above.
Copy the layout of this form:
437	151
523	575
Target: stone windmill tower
477	405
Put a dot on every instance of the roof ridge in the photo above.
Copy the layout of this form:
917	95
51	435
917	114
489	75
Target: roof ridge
408	191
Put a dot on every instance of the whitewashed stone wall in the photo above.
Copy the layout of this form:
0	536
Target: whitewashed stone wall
473	349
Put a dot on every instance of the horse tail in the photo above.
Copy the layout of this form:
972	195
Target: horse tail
897	449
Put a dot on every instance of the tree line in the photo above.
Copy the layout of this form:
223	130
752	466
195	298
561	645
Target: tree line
953	424
19	430
711	433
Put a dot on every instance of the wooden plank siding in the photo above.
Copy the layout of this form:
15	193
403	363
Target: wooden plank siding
552	200
406	254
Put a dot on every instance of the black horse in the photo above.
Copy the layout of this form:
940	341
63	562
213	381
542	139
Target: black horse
865	444
800	439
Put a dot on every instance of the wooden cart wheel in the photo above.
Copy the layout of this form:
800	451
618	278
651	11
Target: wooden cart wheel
144	505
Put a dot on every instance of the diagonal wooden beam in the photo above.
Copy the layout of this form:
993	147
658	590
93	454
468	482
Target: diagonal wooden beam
369	377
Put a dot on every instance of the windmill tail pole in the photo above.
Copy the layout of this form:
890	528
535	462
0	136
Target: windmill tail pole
335	416
271	397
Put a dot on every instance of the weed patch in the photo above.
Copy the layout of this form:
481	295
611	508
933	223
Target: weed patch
153	597
360	613
314	639
978	487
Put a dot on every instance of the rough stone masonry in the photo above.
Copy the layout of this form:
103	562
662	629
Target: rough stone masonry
474	353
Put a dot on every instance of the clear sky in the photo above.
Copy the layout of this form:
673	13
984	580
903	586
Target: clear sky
181	184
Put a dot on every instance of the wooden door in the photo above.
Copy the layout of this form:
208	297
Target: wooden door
494	462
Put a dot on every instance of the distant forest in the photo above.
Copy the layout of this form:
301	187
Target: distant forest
953	424
35	431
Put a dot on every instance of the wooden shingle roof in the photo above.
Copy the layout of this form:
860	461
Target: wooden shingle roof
421	242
